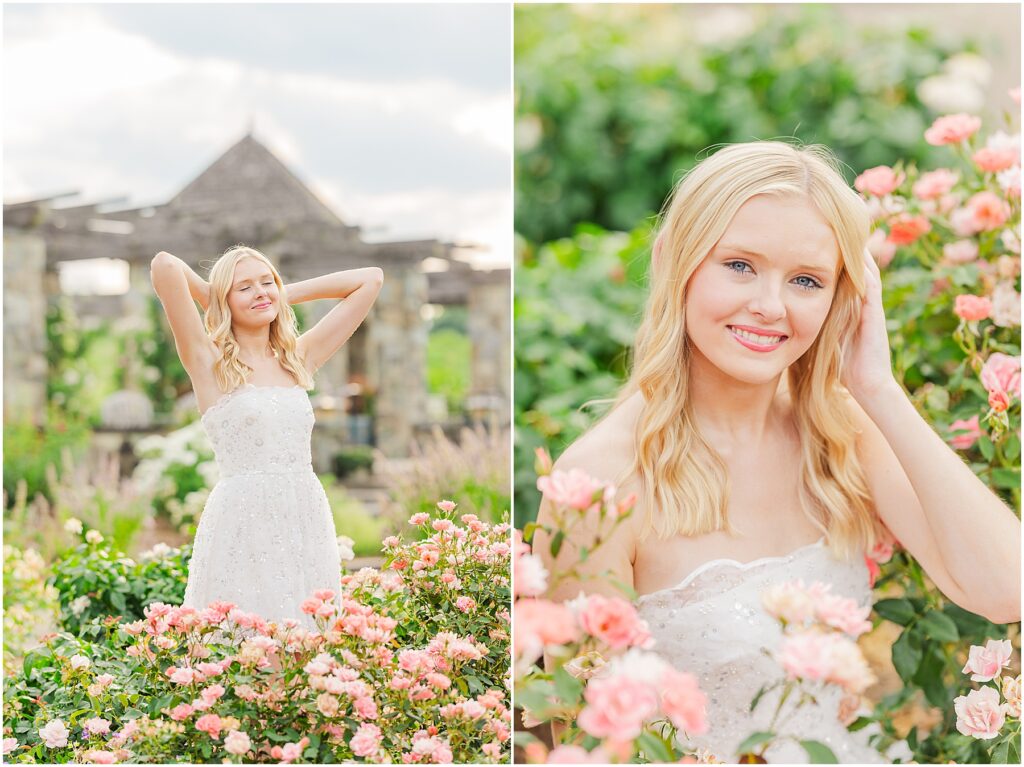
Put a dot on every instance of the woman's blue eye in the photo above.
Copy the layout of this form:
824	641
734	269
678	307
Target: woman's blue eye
812	284
742	266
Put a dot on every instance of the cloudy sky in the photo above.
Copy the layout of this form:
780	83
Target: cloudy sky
398	116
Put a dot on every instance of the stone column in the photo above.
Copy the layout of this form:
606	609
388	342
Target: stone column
396	357
490	335
24	326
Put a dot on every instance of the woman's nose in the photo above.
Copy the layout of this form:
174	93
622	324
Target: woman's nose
767	303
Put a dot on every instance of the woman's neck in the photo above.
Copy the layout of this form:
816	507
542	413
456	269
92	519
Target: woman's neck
254	343
733	412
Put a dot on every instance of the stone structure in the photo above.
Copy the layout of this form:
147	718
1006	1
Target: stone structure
248	196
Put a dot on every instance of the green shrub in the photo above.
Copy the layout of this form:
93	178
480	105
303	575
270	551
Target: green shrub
351	459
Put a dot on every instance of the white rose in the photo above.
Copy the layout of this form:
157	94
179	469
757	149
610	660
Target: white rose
80	662
345	548
74	526
94	536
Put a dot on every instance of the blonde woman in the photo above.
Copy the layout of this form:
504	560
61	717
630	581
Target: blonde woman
266	540
767	440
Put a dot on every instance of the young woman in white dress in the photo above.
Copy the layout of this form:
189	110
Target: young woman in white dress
766	437
266	540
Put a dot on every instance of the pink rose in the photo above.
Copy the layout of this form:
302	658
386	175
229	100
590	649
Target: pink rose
979	713
999	401
210	724
880	248
577	755
574	488
905	228
543	463
879	181
183	675
237	742
790	602
683	702
994	160
806	655
465	604
1009	181
952	129
327	704
529	578
365	708
849	668
873	570
446	506
366	742
970	429
988	211
1001	373
934	184
972	308
844	614
614	621
419	519
986	663
540	622
960	252
616	707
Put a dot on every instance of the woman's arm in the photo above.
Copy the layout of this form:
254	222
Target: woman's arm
358	287
177	290
964	536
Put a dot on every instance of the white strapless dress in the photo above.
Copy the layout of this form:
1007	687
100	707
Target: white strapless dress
712	625
266	539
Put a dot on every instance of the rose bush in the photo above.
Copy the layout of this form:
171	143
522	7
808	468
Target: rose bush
411	667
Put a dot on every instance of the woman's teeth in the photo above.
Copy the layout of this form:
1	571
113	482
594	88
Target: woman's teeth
756	339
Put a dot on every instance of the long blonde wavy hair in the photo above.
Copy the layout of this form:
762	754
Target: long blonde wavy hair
685	482
229	371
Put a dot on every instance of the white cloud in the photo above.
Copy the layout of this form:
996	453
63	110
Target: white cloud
93	108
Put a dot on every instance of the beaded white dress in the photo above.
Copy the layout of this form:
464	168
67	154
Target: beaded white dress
266	539
712	625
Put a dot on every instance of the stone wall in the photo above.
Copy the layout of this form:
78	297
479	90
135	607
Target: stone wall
24	326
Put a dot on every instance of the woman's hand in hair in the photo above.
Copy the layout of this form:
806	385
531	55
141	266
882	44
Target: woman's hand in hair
867	364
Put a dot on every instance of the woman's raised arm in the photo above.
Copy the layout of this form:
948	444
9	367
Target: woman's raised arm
178	286
358	287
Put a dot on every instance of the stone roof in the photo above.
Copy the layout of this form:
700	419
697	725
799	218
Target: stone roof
249	182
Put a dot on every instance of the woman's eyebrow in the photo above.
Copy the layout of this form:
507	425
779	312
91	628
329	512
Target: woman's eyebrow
748	252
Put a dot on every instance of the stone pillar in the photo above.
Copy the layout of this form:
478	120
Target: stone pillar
24	326
490	335
397	357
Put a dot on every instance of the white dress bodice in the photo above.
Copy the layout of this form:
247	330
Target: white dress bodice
712	625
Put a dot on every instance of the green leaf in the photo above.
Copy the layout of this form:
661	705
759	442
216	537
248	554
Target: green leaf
753	741
899	611
556	543
906	655
860	723
1012	448
1006	478
529	530
1001	753
818	752
939	626
987	448
970	625
567	687
654	748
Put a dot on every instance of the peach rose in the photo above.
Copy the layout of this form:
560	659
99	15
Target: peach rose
878	181
237	743
988	211
1011	691
970	431
972	308
934	184
540	622
1001	373
905	228
979	713
952	129
985	663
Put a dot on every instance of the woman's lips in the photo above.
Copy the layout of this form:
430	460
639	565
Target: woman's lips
262	306
753	345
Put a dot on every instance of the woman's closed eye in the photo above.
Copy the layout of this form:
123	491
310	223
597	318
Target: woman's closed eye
811	284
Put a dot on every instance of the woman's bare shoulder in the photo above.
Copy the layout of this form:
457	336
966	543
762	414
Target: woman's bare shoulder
606	449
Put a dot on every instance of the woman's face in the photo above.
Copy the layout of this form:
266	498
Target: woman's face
757	302
253	297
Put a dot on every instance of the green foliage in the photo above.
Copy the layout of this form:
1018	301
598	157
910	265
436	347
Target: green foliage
448	360
29	448
577	306
94	580
71	379
352	519
613	103
164	378
351	459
